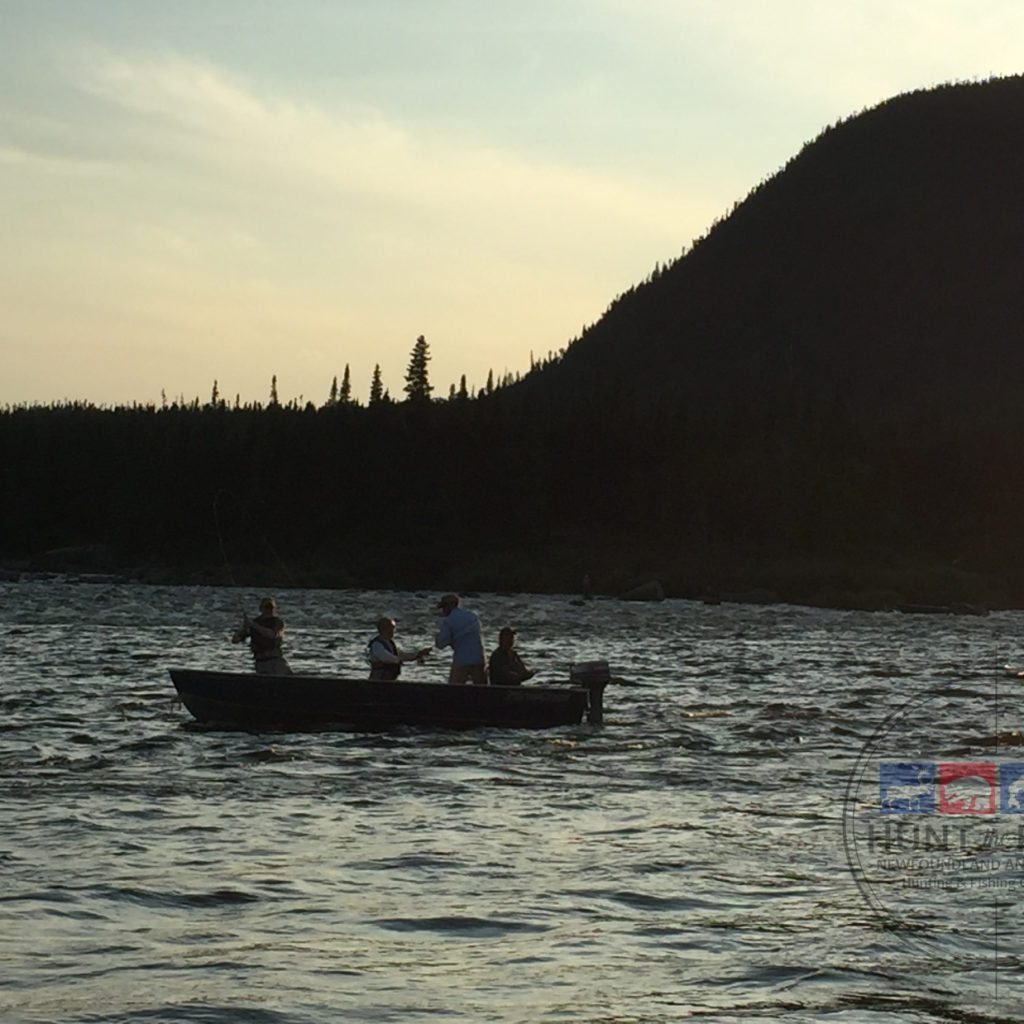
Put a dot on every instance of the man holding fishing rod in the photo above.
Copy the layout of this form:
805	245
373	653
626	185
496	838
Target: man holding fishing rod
265	635
460	630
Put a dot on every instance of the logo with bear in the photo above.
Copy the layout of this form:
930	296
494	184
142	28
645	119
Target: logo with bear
950	788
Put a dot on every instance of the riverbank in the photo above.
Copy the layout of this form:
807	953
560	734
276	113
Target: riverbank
825	583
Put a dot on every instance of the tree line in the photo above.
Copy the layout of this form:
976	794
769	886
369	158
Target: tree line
518	490
417	386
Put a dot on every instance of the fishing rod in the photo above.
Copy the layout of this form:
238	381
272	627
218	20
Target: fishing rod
220	535
239	634
250	525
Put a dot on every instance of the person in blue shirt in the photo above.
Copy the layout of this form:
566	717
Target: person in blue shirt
460	630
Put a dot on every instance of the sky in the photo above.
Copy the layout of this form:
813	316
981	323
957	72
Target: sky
230	191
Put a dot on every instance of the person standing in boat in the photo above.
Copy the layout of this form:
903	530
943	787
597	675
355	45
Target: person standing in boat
265	634
506	668
460	630
385	656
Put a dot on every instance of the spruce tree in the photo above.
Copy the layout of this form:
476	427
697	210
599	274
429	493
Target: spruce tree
417	384
332	398
376	387
345	395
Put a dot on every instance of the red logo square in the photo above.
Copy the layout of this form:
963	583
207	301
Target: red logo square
967	789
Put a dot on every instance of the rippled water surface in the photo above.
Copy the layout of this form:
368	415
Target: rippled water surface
684	860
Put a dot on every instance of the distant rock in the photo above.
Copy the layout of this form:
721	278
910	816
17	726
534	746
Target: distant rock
652	591
77	559
756	596
959	608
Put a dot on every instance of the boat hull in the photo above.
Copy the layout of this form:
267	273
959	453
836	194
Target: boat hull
248	701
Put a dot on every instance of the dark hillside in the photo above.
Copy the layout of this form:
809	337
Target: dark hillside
840	363
882	268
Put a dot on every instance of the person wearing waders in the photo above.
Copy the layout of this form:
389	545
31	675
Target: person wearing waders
264	634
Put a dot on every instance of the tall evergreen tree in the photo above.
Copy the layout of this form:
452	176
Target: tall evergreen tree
273	391
345	395
332	398
376	387
490	382
417	383
463	393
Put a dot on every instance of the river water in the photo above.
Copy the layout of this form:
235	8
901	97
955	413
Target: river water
690	858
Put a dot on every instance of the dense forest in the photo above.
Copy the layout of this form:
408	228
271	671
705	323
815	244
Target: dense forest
820	399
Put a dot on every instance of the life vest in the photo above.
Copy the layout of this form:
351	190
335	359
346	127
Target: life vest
266	647
383	669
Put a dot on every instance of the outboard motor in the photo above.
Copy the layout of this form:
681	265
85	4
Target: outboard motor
595	676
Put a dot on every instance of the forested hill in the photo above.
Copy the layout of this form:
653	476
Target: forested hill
822	399
881	269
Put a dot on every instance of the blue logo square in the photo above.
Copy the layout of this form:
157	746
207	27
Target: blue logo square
906	787
1011	787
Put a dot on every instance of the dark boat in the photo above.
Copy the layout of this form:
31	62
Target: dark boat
247	701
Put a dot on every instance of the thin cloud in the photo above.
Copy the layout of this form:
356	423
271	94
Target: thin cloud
21	158
199	112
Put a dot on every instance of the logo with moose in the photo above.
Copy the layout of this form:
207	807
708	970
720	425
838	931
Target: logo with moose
950	788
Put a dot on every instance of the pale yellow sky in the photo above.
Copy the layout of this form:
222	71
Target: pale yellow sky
235	189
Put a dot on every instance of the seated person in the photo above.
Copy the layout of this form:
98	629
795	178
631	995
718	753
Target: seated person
506	667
